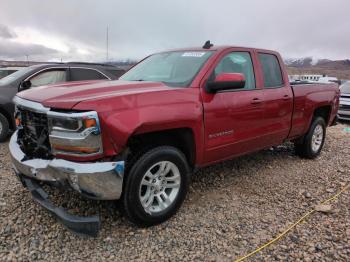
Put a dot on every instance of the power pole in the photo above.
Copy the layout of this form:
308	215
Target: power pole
107	45
27	60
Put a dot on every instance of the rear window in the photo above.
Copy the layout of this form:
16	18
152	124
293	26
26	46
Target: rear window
271	70
116	72
81	74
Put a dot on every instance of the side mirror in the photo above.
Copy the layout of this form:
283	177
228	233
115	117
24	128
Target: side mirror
226	81
25	85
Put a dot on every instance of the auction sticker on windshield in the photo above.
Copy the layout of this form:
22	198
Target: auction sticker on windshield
194	54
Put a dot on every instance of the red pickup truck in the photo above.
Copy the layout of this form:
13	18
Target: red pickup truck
138	139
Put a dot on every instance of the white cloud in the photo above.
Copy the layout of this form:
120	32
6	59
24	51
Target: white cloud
77	29
27	35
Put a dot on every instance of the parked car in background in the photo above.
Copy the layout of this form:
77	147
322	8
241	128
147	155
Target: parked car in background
344	103
46	74
329	79
5	71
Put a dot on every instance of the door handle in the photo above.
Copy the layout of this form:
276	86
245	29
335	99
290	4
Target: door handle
285	97
256	101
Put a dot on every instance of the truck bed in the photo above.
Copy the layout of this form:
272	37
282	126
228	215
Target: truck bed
307	96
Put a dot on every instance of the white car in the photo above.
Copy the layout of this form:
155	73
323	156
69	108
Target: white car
344	103
328	79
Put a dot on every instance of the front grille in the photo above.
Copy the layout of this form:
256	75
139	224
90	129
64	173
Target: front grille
344	116
344	107
33	136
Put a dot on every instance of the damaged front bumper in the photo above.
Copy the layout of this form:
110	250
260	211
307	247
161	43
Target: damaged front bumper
99	180
89	226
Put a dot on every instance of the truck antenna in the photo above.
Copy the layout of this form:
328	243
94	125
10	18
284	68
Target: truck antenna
208	45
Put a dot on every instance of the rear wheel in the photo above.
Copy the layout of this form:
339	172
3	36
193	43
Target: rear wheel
4	128
155	186
312	143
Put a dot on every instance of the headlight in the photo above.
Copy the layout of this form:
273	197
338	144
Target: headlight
75	134
72	125
76	124
18	119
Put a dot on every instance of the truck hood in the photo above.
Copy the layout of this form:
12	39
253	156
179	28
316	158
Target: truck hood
67	95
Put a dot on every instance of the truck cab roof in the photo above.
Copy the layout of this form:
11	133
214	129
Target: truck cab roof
221	48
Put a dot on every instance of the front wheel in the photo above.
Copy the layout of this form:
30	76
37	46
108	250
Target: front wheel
155	186
312	143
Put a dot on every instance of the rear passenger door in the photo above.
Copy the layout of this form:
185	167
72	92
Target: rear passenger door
81	74
278	97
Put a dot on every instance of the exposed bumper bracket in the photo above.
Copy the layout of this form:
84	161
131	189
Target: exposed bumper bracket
80	225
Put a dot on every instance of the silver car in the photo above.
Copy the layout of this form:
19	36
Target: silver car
344	105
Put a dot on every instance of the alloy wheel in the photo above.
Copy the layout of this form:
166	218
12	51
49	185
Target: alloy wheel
159	187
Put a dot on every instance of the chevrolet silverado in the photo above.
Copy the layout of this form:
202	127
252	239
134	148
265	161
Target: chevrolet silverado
138	139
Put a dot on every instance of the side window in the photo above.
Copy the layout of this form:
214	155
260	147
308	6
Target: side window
48	77
79	74
271	70
237	62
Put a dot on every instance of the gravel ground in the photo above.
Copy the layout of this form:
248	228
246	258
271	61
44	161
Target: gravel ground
231	209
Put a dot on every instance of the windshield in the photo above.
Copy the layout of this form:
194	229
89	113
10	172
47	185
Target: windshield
3	73
171	68
14	76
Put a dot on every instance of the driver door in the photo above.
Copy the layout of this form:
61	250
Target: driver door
233	119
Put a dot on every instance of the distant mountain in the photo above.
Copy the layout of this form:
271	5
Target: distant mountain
310	62
305	62
309	65
337	64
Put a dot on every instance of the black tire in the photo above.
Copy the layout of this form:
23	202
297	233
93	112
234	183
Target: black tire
4	128
304	147
131	202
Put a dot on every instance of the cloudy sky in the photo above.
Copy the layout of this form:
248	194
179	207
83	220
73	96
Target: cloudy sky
76	29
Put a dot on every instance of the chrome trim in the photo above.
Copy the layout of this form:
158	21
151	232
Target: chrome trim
86	137
90	140
100	180
44	69
27	104
344	118
67	68
344	113
89	114
74	116
89	137
344	101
